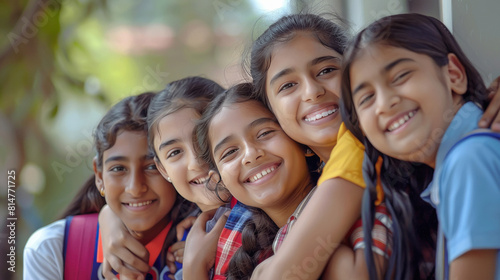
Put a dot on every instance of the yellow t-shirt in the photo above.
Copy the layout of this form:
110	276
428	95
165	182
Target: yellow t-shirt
346	162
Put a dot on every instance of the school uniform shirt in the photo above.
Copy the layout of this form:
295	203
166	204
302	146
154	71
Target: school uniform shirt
208	227
466	188
43	258
43	254
284	230
159	269
230	238
346	162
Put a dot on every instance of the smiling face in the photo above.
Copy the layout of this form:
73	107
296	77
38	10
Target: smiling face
303	89
259	164
134	189
404	101
173	143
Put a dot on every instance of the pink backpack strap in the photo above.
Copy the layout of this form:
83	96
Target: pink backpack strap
79	246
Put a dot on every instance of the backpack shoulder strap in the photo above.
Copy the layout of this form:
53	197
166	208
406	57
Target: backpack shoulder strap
79	246
442	268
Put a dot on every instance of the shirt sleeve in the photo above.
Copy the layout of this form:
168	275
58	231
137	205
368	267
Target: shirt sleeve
469	190
346	159
43	253
346	162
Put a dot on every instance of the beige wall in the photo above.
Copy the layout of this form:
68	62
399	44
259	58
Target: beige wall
475	24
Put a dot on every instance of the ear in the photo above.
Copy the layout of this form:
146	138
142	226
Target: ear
214	175
456	74
98	175
161	168
309	152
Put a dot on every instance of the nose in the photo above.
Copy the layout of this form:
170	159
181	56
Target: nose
137	185
386	99
252	153
194	163
312	90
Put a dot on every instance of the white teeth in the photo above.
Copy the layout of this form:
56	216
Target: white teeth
140	203
201	180
322	115
401	121
261	174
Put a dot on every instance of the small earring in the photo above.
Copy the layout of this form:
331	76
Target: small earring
169	180
101	191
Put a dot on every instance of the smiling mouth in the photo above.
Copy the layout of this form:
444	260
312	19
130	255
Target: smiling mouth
200	180
140	204
318	116
262	174
399	122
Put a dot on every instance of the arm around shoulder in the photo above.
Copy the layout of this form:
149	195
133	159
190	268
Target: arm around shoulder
314	238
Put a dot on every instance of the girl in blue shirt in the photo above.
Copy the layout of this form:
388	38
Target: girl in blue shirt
409	88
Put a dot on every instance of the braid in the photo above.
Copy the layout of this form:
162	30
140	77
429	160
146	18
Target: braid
257	239
368	206
402	183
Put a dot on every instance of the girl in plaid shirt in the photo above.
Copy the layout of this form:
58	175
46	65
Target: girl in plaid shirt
263	168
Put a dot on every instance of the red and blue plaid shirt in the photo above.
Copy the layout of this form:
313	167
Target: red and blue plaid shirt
230	239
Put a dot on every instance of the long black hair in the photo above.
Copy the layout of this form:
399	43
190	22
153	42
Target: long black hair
259	232
404	181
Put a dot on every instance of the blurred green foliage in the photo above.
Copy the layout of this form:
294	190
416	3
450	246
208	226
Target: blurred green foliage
63	63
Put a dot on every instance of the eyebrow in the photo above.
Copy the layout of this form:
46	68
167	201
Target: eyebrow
386	69
124	158
166	143
115	158
325	58
261	121
253	124
315	61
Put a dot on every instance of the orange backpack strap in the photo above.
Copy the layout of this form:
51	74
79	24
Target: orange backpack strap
80	246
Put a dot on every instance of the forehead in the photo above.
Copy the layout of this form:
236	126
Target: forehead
381	54
373	60
129	144
180	122
299	51
235	118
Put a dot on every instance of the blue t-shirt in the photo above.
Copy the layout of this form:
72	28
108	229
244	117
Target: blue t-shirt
466	187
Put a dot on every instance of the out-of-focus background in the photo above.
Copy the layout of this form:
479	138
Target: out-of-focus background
63	63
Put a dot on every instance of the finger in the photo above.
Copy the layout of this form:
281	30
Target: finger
179	259
179	255
184	225
172	267
170	257
203	219
178	245
136	235
128	258
132	273
491	116
136	249
219	226
106	271
493	88
124	270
